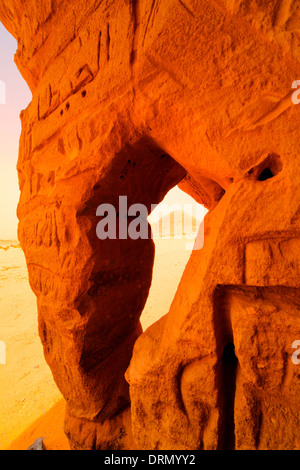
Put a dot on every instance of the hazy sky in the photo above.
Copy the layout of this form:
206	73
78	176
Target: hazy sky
18	96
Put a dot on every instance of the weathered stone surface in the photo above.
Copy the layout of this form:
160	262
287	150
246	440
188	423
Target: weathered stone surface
37	445
131	98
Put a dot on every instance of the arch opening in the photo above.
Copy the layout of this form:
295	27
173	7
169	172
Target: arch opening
117	274
175	223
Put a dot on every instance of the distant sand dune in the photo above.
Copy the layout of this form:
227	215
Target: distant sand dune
6	244
177	224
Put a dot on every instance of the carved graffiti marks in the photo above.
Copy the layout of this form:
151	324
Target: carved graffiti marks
270	261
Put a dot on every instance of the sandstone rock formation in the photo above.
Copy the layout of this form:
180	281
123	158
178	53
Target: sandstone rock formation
131	98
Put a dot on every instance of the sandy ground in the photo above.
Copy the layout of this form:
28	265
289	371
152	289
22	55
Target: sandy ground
26	384
31	404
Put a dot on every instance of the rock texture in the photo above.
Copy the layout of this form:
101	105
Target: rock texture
131	98
37	445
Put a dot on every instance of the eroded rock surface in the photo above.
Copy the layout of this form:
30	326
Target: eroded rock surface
131	98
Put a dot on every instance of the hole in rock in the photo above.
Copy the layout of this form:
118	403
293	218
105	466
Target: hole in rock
175	223
268	168
265	175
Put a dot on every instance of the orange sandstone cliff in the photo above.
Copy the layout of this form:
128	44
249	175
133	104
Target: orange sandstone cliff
132	98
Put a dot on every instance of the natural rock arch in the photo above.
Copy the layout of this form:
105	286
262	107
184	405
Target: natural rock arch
209	85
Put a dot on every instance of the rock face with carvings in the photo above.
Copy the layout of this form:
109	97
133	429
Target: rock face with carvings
132	98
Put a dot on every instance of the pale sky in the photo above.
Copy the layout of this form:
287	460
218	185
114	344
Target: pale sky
178	200
17	97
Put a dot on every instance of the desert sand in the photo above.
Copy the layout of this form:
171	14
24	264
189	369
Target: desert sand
31	404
